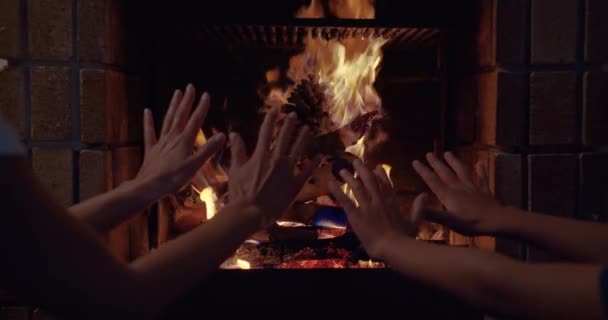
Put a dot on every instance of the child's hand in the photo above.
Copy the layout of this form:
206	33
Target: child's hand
169	160
377	220
471	210
268	179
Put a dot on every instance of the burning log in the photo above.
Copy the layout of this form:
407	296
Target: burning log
301	212
337	141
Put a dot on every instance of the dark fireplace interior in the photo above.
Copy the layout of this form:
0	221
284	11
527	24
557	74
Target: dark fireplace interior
231	57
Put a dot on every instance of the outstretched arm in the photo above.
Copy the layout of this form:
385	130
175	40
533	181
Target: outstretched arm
107	210
472	211
53	260
80	279
163	156
487	280
569	238
499	284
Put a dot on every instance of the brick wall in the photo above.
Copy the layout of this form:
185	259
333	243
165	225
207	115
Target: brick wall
72	96
541	107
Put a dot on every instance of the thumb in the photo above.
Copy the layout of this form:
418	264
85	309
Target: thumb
417	213
213	145
237	150
447	219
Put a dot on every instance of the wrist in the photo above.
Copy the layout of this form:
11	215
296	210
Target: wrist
506	220
390	242
249	213
146	190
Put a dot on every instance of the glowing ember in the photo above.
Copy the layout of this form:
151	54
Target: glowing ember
314	264
369	264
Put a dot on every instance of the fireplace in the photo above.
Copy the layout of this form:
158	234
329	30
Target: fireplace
494	80
368	88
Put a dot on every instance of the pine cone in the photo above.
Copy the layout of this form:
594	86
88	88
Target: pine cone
308	101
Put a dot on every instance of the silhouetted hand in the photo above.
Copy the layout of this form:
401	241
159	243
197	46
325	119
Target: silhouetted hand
268	179
471	210
377	219
169	160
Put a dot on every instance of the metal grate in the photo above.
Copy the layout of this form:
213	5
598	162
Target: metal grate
292	36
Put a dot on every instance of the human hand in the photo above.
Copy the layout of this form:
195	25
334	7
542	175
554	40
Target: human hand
169	160
268	179
470	210
377	220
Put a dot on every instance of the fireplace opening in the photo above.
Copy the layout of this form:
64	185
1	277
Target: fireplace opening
371	84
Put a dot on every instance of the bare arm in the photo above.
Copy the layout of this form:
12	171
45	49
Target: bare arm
53	260
107	210
577	240
164	159
499	284
472	211
484	279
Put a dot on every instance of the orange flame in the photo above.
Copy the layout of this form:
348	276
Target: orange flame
209	197
347	68
243	264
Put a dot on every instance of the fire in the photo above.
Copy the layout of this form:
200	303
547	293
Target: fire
243	264
358	149
214	173
209	197
276	98
200	138
347	68
388	169
314	10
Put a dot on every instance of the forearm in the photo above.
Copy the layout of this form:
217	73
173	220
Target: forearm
183	262
569	238
107	210
499	284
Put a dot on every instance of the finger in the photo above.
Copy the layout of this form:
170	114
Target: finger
369	180
355	186
463	173
285	136
183	110
417	211
482	172
430	178
386	186
299	145
444	218
237	151
149	131
175	101
265	134
442	170
383	178
344	201
197	118
195	162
